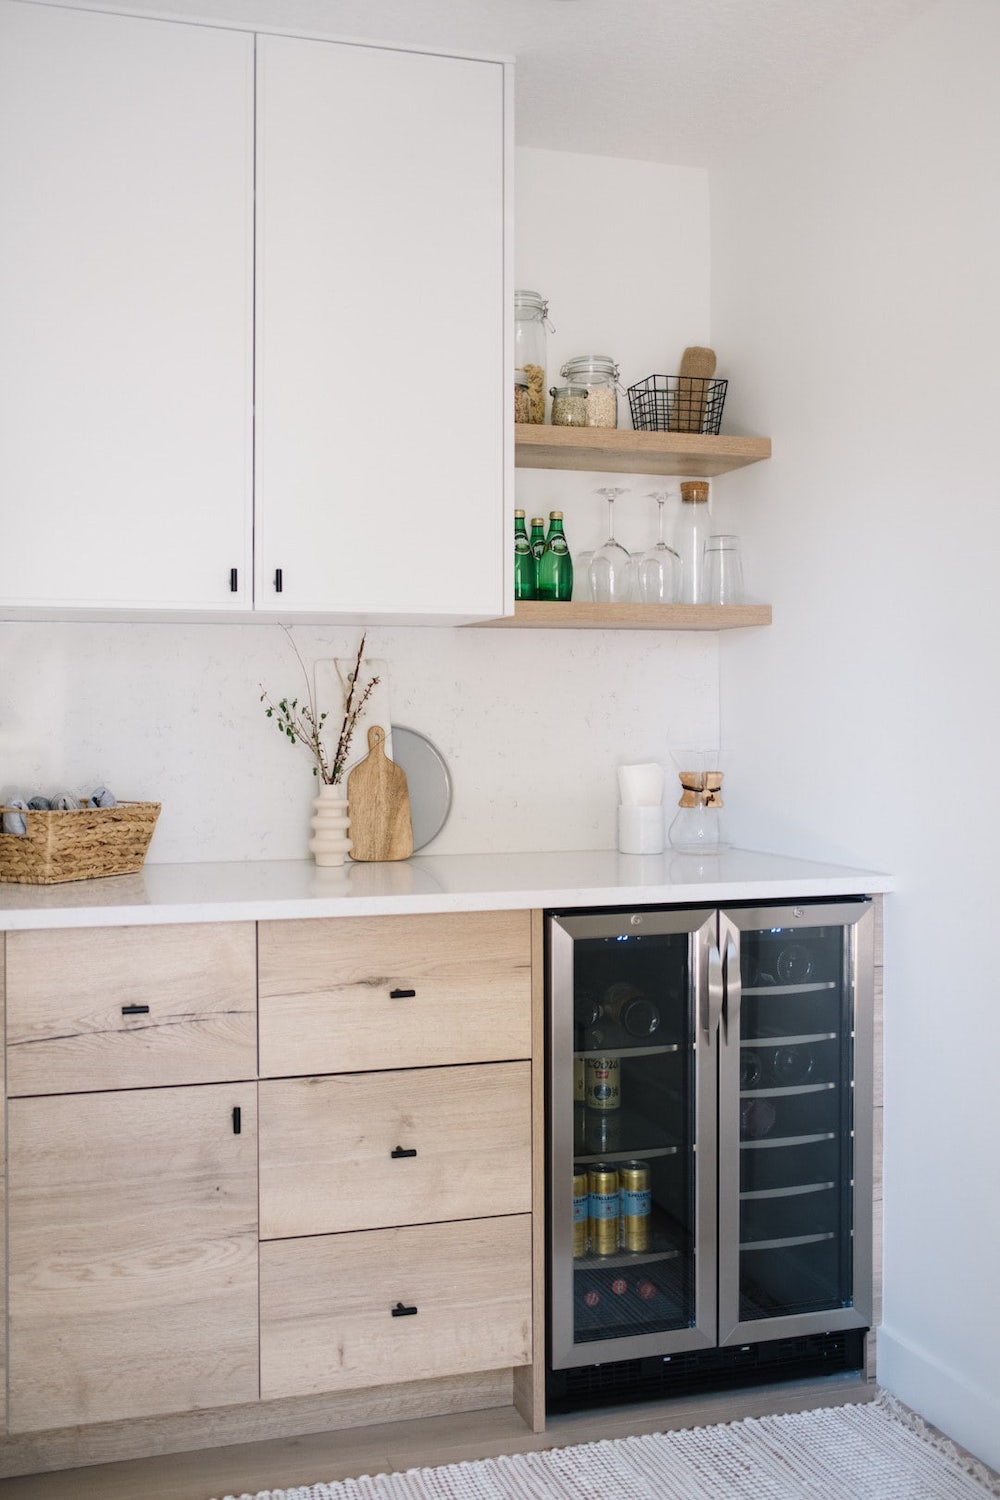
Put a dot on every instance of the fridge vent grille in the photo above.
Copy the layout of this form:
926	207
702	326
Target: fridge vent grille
621	1381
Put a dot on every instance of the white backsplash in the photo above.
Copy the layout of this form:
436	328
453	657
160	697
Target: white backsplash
533	725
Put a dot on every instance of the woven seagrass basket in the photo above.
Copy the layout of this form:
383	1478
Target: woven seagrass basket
78	844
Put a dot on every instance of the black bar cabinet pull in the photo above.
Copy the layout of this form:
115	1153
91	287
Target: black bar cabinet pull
237	1119
234	580
401	1151
135	1010
399	1311
402	994
277	580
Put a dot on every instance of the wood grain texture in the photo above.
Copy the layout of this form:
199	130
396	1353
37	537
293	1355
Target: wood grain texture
67	990
326	1305
133	1254
379	800
326	1144
529	1381
326	992
581	614
617	450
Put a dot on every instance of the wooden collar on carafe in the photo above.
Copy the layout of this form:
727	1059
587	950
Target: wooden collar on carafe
701	789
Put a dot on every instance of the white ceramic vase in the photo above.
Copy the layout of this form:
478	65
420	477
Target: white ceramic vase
329	844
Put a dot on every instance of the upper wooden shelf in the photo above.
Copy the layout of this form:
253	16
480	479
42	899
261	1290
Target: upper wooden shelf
581	614
618	450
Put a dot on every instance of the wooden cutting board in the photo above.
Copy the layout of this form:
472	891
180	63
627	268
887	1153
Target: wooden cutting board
379	802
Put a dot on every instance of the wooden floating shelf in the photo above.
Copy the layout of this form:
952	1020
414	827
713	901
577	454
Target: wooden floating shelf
618	450
542	614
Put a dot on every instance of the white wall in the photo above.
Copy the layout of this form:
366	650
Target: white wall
171	712
855	300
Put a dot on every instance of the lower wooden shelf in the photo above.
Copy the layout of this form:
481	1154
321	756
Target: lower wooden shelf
542	614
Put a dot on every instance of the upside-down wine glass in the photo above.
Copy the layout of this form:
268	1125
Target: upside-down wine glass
610	566
659	566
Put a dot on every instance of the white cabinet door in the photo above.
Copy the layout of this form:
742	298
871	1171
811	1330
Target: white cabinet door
126	179
381	329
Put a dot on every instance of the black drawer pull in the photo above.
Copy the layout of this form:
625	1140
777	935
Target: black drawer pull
237	1120
135	1010
399	1311
234	580
402	994
401	1151
278	581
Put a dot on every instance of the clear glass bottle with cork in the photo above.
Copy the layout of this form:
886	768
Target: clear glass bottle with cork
693	527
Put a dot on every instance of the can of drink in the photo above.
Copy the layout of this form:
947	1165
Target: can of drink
602	1131
581	1213
636	1205
604	1208
579	1081
604	1083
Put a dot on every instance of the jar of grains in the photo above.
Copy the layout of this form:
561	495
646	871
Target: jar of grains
599	374
530	320
521	397
569	405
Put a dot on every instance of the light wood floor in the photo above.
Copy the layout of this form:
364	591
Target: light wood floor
319	1457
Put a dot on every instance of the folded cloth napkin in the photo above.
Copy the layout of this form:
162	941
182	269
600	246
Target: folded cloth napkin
103	798
38	803
13	822
65	802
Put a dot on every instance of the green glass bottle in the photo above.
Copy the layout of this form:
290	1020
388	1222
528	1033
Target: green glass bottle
555	566
537	537
525	567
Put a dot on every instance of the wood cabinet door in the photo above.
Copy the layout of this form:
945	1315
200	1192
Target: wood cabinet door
133	1254
349	994
344	1311
126	257
381	318
365	1150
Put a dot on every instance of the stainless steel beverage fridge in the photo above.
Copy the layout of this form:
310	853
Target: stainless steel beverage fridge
709	1146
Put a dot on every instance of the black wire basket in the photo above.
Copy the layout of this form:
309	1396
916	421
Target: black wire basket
677	403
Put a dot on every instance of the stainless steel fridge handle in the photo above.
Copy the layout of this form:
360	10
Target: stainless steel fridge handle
733	991
714	993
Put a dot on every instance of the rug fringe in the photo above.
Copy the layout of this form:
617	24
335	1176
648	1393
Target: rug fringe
937	1440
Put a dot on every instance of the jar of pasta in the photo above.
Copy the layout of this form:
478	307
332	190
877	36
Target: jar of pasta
531	313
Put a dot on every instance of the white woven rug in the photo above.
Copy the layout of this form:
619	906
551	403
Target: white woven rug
873	1451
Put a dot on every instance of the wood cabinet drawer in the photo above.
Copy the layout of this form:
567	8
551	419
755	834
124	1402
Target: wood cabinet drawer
327	1304
364	1150
125	1007
358	993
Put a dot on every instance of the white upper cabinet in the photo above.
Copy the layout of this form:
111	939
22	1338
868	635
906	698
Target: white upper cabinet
381	325
298	410
126	280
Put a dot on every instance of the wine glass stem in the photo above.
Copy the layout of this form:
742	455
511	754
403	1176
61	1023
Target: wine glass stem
611	519
659	524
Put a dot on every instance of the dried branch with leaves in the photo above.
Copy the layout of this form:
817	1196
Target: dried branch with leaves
302	724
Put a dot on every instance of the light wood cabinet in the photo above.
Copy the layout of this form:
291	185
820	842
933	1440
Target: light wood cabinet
358	993
130	1007
367	1150
352	1310
133	1253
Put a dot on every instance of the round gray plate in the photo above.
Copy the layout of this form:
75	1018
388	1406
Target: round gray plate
428	781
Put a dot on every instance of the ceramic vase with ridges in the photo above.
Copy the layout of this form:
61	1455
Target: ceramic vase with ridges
329	844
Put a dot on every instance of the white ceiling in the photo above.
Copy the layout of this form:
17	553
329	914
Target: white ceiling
675	81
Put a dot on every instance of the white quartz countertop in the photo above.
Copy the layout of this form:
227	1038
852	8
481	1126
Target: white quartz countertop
281	890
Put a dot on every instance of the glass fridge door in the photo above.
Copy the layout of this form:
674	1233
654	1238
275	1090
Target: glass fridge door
634	999
795	1120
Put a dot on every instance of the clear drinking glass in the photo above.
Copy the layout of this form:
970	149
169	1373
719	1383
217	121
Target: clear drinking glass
723	570
610	566
659	566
